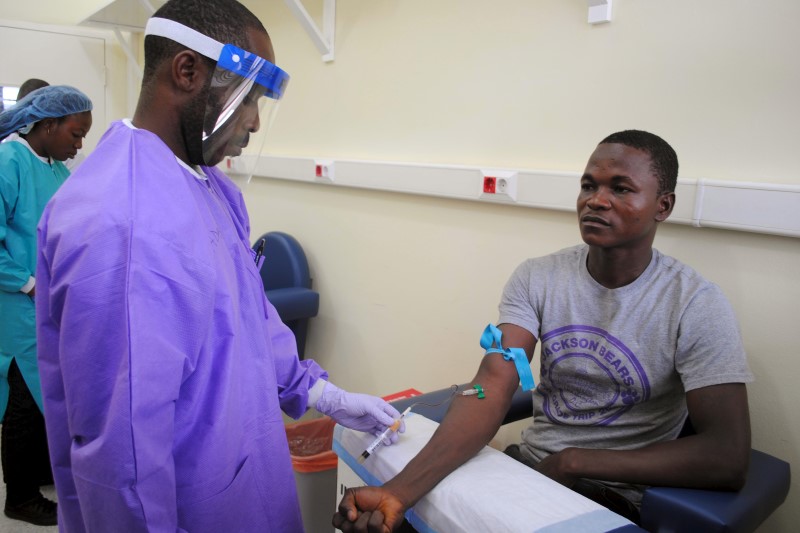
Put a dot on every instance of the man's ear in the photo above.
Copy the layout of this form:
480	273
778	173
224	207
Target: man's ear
189	71
666	203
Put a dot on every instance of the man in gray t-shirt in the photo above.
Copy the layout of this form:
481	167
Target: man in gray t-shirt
632	341
617	362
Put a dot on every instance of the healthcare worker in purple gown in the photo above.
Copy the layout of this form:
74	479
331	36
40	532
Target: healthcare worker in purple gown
164	367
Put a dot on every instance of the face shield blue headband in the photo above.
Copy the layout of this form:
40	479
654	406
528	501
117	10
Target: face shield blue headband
243	97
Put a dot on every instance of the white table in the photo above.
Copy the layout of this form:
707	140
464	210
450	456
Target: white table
490	492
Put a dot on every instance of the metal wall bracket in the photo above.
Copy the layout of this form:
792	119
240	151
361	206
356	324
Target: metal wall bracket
126	47
324	39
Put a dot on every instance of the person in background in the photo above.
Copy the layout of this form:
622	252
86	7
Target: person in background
51	124
27	87
633	342
30	85
164	367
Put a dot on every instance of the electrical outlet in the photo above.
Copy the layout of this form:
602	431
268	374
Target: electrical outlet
324	170
499	185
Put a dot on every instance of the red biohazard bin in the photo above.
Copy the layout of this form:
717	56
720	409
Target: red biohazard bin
314	464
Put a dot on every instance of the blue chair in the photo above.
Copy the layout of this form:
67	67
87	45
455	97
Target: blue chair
287	283
667	509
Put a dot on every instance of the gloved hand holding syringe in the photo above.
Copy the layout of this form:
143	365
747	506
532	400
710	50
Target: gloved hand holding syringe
380	439
384	435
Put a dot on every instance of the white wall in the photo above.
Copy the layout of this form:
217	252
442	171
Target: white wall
408	282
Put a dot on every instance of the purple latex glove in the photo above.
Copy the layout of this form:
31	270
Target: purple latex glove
361	412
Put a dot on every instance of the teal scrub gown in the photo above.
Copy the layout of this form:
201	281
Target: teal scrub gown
27	182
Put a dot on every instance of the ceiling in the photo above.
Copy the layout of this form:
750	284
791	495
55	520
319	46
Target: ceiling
124	14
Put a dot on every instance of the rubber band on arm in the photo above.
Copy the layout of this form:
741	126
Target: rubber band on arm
493	336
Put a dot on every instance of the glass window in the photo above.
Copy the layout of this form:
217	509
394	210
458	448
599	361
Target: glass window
9	97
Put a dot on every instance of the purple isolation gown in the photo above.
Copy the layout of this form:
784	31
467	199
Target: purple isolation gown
164	367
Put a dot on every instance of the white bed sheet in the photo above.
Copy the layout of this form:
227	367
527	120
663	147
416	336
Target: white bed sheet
491	492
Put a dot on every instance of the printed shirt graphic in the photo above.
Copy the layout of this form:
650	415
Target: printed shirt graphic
589	377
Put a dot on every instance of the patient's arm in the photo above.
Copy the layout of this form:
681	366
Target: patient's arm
716	457
470	423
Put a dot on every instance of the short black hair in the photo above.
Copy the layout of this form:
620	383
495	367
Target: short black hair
28	86
664	160
226	21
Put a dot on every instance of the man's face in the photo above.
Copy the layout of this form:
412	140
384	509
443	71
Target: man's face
234	135
244	123
619	204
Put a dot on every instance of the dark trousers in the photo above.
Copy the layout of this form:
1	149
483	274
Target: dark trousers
23	449
589	488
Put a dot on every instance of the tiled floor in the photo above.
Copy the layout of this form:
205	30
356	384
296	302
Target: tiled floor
8	525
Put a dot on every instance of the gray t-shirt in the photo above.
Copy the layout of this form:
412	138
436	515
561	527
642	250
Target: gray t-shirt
616	363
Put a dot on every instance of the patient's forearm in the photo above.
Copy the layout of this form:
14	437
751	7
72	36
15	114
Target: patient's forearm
692	461
469	425
449	447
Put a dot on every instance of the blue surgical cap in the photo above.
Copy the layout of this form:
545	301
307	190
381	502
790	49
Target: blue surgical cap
54	101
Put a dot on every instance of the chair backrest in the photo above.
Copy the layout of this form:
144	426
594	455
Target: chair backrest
285	263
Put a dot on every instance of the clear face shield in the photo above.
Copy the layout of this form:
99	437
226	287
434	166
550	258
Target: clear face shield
243	98
242	102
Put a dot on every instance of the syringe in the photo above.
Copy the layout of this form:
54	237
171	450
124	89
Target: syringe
379	440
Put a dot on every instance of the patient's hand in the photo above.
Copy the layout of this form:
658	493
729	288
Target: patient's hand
369	510
557	467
